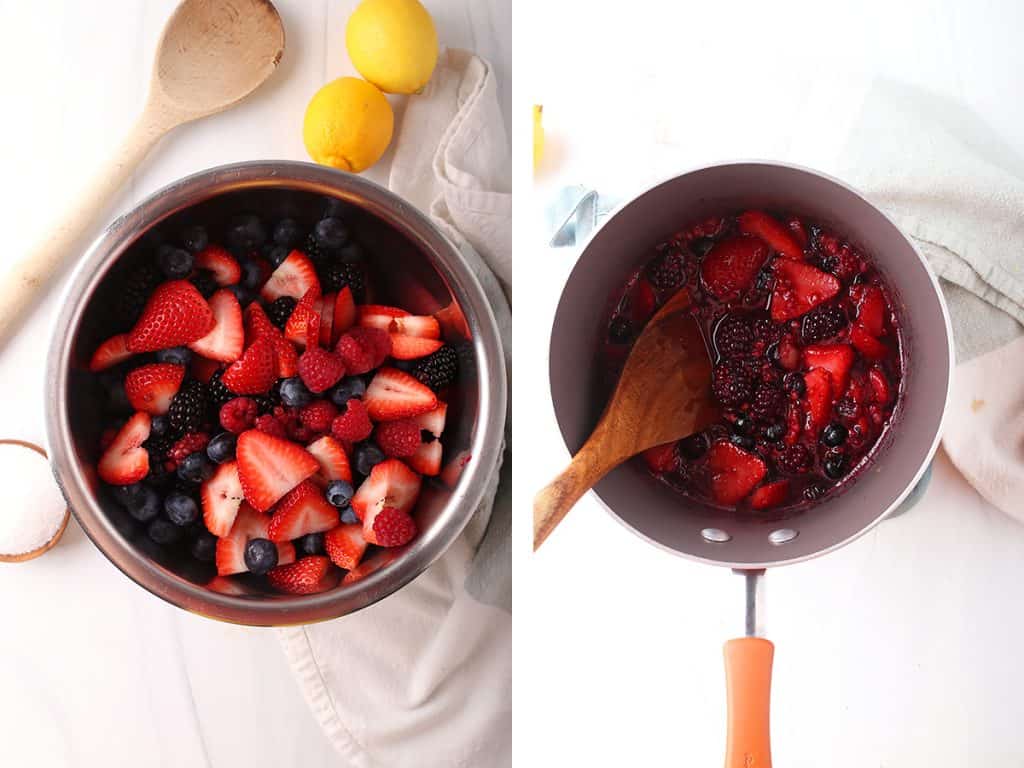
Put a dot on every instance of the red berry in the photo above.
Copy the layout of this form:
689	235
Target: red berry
356	357
393	527
190	443
320	369
270	425
353	423
398	439
238	414
318	415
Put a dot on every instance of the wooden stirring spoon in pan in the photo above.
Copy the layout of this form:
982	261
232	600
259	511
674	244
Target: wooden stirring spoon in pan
662	396
211	55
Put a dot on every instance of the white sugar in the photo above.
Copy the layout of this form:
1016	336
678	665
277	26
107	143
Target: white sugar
32	509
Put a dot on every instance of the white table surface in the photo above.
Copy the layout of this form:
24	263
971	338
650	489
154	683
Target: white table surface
94	670
903	649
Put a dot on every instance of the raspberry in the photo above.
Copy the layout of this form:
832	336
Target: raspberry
299	432
438	370
280	310
731	383
822	323
794	458
392	527
318	415
319	369
398	439
668	273
734	337
271	426
353	423
188	408
374	339
766	403
190	443
238	415
356	358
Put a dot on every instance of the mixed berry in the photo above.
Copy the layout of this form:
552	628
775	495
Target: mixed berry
272	420
806	352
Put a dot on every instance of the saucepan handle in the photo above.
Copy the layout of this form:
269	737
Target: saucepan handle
748	685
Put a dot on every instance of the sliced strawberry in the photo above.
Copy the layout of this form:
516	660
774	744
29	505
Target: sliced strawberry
175	314
881	392
818	382
871	310
390	527
837	359
302	510
422	326
299	324
731	265
306	576
111	352
334	464
325	305
660	458
760	224
344	313
642	302
433	421
222	264
799	288
794	423
734	472
249	524
770	495
381	558
427	459
269	467
227	586
221	496
227	338
866	344
789	353
257	323
391	483
394	394
125	461
345	545
413	347
295	277
152	387
379	316
255	371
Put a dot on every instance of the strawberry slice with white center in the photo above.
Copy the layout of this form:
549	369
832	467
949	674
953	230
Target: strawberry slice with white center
225	269
302	510
111	352
269	467
799	288
394	394
344	313
379	316
301	321
255	372
334	463
345	545
391	484
734	472
249	524
837	359
227	339
421	326
295	277
151	388
125	461
427	459
221	496
412	347
773	232
307	576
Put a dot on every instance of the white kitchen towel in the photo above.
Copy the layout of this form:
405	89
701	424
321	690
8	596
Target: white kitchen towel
423	679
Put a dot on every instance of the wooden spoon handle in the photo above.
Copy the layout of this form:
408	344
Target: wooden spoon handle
22	283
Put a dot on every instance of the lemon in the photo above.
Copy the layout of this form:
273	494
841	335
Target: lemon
538	135
393	44
348	124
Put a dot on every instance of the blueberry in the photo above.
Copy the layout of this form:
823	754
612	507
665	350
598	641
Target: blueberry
260	555
834	434
693	447
310	544
287	233
352	253
349	516
333	207
743	425
159	426
346	389
794	382
195	468
222	447
117	398
251	274
181	509
744	442
175	355
774	432
835	466
243	294
175	263
246	231
331	233
404	365
339	493
277	254
620	331
163	531
195	238
294	393
367	456
141	501
204	547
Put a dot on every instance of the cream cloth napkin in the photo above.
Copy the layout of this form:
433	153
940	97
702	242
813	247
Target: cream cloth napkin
424	678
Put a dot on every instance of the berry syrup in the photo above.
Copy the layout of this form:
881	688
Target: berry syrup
806	350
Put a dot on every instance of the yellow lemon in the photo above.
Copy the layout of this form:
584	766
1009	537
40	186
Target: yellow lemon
348	125
393	44
538	135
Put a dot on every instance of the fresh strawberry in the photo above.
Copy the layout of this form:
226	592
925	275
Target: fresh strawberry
125	461
238	414
111	352
203	369
345	545
302	510
734	472
770	495
871	311
325	306
225	342
271	425
433	421
413	347
318	415
228	586
427	459
394	394
175	314
152	387
306	576
221	496
249	524
421	326
789	353
185	445
818	382
381	558
866	344
660	458
257	323
295	276
390	484
398	439
255	371
353	423
320	369
334	464
269	467
222	264
390	528
760	224
344	313
881	392
731	265
379	316
299	324
794	423
799	288
837	359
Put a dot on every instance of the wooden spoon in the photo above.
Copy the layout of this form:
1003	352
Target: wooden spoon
662	396
211	55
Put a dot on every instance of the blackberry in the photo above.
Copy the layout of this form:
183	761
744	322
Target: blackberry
134	292
822	323
312	248
280	310
847	407
264	404
766	403
217	394
731	383
188	408
734	337
814	492
668	273
794	382
204	282
439	369
795	458
774	432
335	275
158	448
744	442
766	331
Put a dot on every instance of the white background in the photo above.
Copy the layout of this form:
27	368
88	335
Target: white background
902	649
93	670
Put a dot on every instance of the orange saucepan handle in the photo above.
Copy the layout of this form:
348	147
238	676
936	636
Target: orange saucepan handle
748	683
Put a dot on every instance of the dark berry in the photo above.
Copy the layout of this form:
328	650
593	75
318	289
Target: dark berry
438	370
794	382
815	491
287	233
310	544
339	493
668	273
204	546
195	238
260	555
743	425
766	403
243	294
766	331
181	509
845	265
280	310
222	447
733	336
795	458
334	208
336	275
205	282
175	355
366	456
311	247
217	393
117	399
346	389
195	468
246	232
159	426
175	263
352	253
701	245
188	408
620	330
294	393
349	516
163	531
694	446
133	293
834	435
835	465
822	323
847	407
141	501
251	274
774	432
742	441
331	233
731	383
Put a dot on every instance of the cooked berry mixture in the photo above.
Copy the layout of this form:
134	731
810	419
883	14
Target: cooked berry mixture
265	419
806	351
